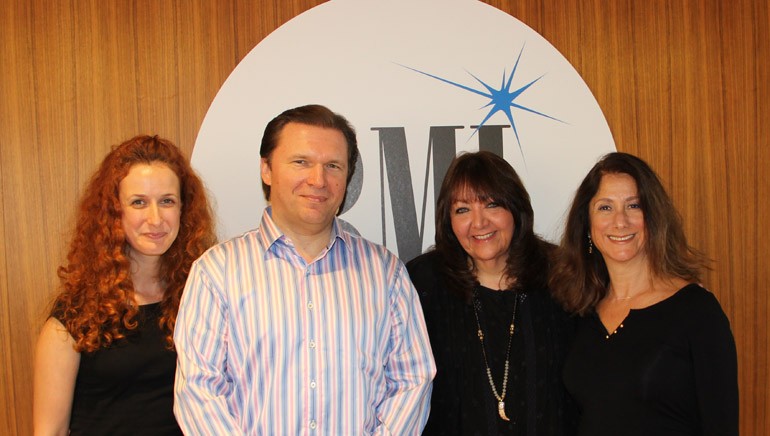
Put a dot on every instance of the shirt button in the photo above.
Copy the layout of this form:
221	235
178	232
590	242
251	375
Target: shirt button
312	384
310	305
313	425
312	344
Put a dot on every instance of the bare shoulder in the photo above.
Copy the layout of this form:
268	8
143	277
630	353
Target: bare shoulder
54	337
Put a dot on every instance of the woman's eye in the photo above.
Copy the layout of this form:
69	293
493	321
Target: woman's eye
168	201
604	207
493	204
137	202
460	210
634	206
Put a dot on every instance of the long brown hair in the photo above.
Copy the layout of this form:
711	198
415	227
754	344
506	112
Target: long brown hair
490	177
580	279
96	303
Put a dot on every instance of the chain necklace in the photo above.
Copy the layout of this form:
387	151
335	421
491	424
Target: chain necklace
501	396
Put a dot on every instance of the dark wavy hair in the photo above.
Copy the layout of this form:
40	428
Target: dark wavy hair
489	177
580	279
312	115
96	303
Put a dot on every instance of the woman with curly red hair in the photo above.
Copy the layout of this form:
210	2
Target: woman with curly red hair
105	359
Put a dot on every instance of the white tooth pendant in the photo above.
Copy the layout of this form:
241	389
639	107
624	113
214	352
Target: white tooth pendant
501	411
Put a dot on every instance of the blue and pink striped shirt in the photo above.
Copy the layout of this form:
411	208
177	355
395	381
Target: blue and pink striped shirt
269	344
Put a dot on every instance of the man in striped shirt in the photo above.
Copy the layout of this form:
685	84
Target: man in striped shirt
298	326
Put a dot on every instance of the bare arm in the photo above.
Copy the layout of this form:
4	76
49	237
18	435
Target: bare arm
56	368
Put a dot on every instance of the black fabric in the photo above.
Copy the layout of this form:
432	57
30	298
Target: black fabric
671	370
462	402
127	389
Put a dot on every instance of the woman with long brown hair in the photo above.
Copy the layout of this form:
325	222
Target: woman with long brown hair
105	360
653	352
498	338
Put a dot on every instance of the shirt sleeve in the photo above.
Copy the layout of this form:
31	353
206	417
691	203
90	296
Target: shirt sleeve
202	385
716	371
409	366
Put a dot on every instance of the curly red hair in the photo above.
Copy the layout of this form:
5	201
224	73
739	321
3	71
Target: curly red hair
97	304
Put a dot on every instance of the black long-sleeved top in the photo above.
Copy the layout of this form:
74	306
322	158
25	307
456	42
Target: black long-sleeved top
670	370
462	402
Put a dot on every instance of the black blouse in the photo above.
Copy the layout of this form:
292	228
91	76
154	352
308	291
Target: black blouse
128	388
462	402
670	370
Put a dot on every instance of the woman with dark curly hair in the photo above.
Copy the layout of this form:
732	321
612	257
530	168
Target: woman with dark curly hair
497	337
653	352
105	358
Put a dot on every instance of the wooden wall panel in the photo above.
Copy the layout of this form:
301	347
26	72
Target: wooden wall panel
7	411
7	401
683	84
743	173
16	81
9	70
32	176
106	104
157	78
205	42
757	404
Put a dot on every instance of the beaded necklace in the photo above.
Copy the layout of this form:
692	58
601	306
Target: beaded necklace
501	396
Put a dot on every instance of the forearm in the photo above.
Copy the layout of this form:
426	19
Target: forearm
410	368
202	411
406	412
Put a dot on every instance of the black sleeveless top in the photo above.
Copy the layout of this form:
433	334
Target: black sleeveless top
128	388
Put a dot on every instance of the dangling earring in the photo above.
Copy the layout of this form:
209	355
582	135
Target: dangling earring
590	245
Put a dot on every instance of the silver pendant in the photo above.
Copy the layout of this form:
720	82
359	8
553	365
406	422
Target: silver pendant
501	411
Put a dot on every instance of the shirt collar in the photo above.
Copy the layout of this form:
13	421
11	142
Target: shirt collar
270	234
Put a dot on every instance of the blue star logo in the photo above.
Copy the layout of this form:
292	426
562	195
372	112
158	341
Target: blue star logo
500	100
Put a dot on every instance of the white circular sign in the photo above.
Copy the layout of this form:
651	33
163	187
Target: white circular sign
420	80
